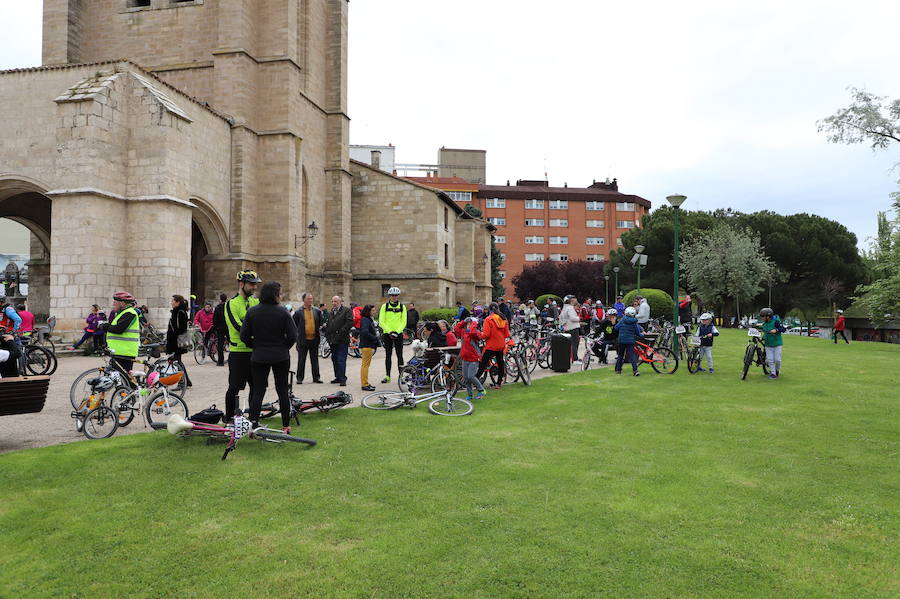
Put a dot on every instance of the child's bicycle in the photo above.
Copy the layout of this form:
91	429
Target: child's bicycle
231	432
693	354
661	359
755	352
437	370
440	403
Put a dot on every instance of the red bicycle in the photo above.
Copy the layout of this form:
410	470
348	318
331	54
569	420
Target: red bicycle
662	359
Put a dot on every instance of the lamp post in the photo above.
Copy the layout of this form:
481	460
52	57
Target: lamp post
606	278
676	201
311	231
616	271
639	260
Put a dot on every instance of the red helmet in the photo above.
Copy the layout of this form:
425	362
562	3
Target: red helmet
124	296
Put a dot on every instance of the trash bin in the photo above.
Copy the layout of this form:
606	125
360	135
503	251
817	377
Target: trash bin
561	352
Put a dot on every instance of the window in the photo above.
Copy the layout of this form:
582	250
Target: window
499	238
502	257
595	205
559	204
497	221
534	222
534	257
619	242
460	196
559	222
495	203
624	224
531	239
534	204
384	289
626	206
562	240
502	274
559	257
446	221
447	301
138	3
446	256
594	258
595	223
596	241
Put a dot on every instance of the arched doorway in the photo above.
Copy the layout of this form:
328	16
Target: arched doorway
25	217
199	251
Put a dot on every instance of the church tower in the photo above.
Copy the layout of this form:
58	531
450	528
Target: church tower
277	70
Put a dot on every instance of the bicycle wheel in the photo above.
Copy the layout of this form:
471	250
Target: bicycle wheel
451	406
586	360
354	352
693	361
384	400
39	360
200	353
524	374
749	353
450	384
163	404
121	401
282	437
494	372
407	378
80	390
408	336
324	350
100	423
512	367
663	360
531	358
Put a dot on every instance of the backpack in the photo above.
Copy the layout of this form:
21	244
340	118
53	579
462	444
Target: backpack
210	415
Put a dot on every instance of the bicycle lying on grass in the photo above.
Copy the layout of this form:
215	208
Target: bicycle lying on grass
755	353
326	403
232	432
441	403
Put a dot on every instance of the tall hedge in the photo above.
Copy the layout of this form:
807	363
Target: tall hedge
660	302
543	299
436	314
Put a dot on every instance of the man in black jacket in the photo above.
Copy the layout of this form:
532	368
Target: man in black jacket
308	320
337	333
9	355
412	317
220	328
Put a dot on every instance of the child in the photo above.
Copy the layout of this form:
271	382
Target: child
629	330
772	330
470	354
706	332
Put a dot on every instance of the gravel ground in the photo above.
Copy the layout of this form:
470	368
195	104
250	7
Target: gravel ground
54	425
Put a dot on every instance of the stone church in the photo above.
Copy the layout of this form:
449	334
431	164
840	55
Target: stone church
163	145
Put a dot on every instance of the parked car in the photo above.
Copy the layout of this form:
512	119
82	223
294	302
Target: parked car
803	331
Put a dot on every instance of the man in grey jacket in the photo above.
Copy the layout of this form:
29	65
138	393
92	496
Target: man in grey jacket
643	310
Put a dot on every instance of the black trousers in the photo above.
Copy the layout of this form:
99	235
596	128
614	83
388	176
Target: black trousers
392	344
311	349
260	376
843	336
486	359
221	336
239	376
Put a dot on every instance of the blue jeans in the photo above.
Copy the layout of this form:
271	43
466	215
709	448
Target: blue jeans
339	361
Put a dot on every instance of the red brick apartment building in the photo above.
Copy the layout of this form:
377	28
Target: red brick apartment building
537	222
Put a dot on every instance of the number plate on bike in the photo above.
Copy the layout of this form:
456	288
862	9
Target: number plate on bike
238	427
679	329
754	333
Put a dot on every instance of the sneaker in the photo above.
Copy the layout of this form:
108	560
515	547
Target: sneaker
468	398
368	388
480	395
701	370
636	373
577	362
320	381
618	372
335	381
773	376
386	379
711	371
286	430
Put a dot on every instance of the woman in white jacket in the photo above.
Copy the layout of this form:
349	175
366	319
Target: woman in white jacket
570	322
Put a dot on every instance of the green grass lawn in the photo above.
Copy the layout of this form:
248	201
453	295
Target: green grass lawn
585	485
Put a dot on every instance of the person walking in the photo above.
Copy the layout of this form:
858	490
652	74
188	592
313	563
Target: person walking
570	321
239	361
495	333
629	331
707	331
178	328
308	320
392	319
470	354
368	344
270	332
772	340
221	329
839	326
337	333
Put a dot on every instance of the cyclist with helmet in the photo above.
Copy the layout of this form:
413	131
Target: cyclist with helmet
239	367
123	333
392	319
707	331
772	340
629	331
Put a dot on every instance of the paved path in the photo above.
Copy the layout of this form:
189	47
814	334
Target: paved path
54	425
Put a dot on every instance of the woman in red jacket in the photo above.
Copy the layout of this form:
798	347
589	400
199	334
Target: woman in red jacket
204	320
495	333
839	326
470	354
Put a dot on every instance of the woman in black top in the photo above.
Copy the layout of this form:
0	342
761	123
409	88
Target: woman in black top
270	331
178	325
368	343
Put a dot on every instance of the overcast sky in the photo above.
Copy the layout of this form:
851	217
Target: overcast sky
702	98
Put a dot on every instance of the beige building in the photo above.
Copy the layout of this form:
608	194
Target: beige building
166	144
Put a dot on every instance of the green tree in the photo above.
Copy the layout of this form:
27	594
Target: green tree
726	264
881	298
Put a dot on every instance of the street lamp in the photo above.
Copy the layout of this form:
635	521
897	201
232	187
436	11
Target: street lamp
616	271
676	201
606	278
639	259
311	231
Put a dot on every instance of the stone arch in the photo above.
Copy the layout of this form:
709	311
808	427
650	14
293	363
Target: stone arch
211	226
209	248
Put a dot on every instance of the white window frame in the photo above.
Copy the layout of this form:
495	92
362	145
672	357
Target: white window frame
559	257
595	258
595	205
497	221
595	240
502	274
534	204
534	257
625	224
559	222
499	238
594	223
534	222
559	240
625	206
534	240
495	203
559	204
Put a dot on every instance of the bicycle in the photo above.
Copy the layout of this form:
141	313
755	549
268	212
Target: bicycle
324	404
438	370
755	353
157	406
206	350
661	359
693	354
590	343
95	418
441	403
516	366
34	359
232	432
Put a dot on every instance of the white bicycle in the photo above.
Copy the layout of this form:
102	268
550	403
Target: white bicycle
441	403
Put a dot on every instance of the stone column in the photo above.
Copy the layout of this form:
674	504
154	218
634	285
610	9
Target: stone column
39	279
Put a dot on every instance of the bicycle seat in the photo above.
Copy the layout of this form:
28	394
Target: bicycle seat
177	424
152	345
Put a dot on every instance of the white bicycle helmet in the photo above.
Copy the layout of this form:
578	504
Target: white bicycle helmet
611	312
394	291
630	311
705	316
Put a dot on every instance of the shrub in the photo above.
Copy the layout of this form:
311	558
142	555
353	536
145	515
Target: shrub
543	299
436	314
660	302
